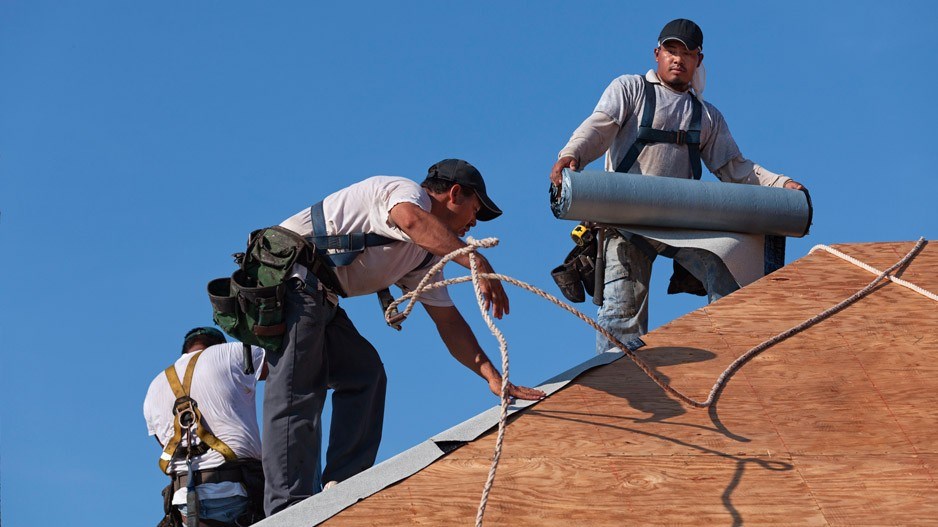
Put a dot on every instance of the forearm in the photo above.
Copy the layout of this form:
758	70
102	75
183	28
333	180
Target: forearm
591	139
424	229
741	170
461	342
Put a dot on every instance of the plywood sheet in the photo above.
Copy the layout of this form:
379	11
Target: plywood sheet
834	426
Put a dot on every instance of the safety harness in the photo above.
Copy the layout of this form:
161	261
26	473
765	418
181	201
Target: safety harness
188	416
681	280
648	135
350	246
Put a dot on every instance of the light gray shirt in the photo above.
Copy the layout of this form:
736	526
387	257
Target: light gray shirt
613	127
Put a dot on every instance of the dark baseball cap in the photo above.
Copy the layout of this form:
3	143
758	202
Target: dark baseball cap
207	331
459	171
684	30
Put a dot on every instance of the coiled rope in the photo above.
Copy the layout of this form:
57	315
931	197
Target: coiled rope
473	245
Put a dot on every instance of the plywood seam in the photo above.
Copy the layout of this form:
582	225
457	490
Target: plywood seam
879	394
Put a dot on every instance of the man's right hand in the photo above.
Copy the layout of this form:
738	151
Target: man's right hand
557	171
517	392
492	291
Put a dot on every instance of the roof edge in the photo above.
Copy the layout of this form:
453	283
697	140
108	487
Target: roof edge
320	507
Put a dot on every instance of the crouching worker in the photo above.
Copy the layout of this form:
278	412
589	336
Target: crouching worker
368	236
202	411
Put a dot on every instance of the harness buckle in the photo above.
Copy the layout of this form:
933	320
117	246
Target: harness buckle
680	137
184	410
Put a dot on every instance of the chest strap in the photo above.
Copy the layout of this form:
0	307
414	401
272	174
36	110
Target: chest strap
187	414
350	245
648	135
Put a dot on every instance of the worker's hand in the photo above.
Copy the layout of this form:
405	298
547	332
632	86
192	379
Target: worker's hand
518	392
492	291
794	185
557	171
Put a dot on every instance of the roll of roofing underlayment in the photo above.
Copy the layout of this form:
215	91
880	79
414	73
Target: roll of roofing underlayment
637	200
728	220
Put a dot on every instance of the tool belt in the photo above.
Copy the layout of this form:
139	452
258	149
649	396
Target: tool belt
576	274
249	305
248	472
210	475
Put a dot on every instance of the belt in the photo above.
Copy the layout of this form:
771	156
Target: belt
209	475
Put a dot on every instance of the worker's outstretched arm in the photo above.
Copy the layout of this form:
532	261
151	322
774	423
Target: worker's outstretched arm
462	344
427	231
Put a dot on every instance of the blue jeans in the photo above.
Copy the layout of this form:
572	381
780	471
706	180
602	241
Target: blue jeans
624	312
225	510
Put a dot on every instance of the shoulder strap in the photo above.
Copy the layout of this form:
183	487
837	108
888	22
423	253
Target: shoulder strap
181	391
693	138
648	119
426	260
350	245
384	296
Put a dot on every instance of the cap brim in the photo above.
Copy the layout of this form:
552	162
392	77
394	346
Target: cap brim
681	40
489	210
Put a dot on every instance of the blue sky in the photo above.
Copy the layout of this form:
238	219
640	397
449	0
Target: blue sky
140	143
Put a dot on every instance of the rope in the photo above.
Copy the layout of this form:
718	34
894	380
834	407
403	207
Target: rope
475	276
893	279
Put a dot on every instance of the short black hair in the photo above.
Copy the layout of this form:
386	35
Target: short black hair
206	336
441	186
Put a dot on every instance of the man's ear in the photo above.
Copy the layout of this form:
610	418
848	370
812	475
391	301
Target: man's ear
656	54
455	194
700	58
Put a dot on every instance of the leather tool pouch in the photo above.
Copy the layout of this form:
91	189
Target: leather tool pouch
576	275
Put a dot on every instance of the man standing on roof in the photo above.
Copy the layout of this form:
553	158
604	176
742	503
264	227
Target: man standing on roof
407	227
208	389
658	124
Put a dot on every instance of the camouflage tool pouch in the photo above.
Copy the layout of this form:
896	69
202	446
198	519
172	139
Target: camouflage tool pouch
253	315
249	305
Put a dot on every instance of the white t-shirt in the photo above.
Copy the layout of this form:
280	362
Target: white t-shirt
226	398
366	207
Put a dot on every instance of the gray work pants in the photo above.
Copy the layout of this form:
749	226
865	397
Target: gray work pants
624	312
322	350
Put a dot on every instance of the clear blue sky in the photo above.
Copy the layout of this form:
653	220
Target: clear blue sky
141	142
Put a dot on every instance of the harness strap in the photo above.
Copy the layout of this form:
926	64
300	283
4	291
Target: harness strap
425	262
384	296
351	244
648	118
648	135
693	147
181	391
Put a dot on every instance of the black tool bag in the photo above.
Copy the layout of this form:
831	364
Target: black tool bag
249	305
577	273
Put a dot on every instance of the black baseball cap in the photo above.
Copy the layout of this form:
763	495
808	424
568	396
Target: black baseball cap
459	171
684	30
196	332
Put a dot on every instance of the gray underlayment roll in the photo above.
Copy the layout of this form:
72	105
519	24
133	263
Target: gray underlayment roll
636	200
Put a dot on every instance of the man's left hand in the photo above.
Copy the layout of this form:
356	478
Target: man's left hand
794	185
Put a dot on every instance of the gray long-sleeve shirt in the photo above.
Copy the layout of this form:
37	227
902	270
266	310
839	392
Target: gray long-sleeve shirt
613	127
